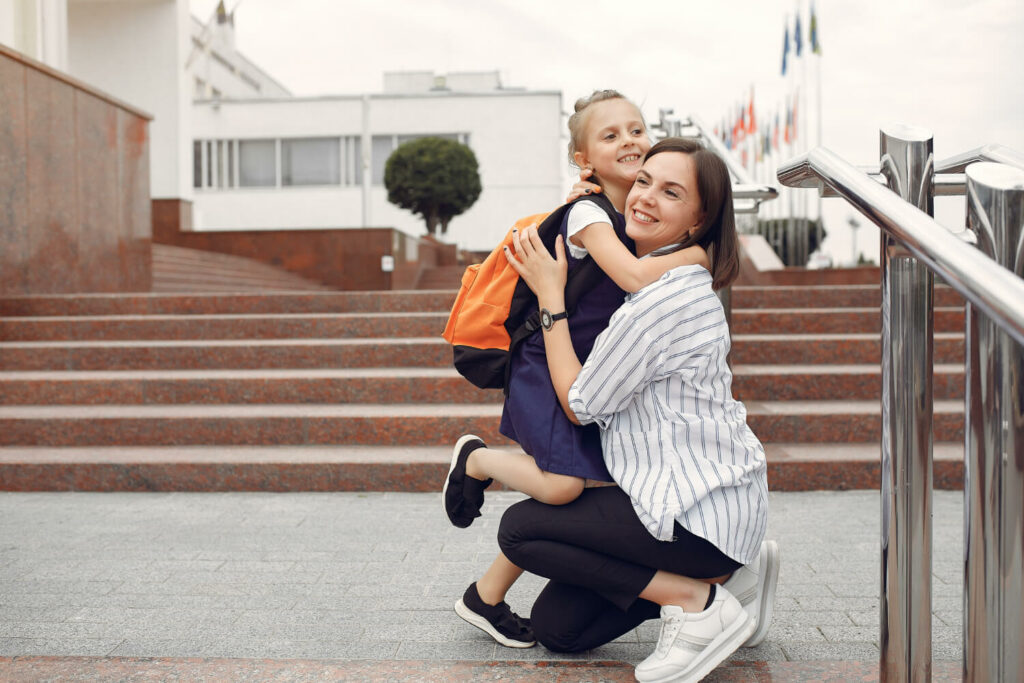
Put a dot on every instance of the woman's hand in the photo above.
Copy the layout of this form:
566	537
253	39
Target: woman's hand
583	186
544	275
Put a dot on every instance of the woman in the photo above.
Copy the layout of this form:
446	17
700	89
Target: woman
691	505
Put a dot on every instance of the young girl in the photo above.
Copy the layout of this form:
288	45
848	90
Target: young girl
608	139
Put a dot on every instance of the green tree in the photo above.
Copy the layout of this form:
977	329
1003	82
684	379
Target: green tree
434	178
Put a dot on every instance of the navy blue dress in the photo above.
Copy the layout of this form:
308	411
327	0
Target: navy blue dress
532	415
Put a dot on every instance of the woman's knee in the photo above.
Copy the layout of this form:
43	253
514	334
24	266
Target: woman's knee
550	621
514	526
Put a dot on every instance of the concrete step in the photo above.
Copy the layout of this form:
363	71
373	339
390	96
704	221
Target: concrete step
402	385
846	296
392	424
226	354
791	467
226	304
432	352
245	326
828	320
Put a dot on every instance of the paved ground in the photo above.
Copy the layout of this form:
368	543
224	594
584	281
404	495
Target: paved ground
372	576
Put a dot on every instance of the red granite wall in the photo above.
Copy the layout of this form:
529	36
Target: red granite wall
346	259
74	185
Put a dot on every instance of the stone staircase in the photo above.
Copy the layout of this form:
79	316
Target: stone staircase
354	390
178	269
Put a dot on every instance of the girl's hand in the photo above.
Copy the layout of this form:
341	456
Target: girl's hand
583	186
544	275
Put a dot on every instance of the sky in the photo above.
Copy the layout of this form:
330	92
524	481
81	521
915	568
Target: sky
955	67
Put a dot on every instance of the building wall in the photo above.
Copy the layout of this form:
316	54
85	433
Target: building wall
136	51
218	70
36	28
74	186
516	137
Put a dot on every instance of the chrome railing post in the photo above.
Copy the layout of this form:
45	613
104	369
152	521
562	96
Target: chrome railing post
906	488
994	458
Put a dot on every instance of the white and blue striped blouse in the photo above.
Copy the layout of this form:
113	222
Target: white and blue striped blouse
674	438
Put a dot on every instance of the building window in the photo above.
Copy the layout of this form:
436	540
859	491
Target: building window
295	162
311	161
257	163
197	164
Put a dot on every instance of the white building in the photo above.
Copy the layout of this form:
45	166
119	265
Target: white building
233	144
319	162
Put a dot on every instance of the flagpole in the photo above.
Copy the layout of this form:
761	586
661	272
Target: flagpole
816	51
803	99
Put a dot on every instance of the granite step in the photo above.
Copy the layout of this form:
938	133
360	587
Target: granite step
392	424
432	351
814	349
162	387
402	384
846	296
269	301
226	354
791	467
241	326
828	320
227	304
404	324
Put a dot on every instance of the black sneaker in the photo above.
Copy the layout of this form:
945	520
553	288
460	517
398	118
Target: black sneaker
498	621
462	495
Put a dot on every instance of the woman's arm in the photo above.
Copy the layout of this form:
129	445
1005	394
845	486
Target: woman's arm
626	270
546	276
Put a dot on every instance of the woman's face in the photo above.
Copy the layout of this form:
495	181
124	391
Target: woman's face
664	206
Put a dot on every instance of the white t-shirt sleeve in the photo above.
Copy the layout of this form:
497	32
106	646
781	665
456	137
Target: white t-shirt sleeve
582	214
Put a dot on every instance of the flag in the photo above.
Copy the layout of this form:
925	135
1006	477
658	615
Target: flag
815	45
788	134
775	132
785	48
796	101
798	39
751	121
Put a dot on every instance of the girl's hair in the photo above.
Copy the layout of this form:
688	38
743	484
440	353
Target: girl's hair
576	120
717	232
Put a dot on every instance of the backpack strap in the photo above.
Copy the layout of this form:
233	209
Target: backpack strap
580	280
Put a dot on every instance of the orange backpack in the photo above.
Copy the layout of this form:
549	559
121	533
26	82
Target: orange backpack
495	310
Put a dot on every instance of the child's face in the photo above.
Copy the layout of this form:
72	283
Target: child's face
614	142
664	205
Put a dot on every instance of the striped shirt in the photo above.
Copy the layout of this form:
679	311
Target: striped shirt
673	437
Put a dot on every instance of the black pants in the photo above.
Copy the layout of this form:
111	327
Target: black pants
599	558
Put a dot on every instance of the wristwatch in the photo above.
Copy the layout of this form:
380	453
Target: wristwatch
547	318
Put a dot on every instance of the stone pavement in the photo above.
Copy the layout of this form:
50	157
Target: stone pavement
367	580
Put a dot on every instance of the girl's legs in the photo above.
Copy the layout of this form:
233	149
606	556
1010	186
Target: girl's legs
519	471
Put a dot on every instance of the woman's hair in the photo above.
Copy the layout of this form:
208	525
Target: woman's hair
717	233
576	120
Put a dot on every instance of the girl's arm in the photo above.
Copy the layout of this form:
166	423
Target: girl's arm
626	270
546	277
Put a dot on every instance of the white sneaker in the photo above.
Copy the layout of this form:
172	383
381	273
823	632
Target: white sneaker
754	587
692	644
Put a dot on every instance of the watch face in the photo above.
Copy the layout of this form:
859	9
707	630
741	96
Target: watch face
545	319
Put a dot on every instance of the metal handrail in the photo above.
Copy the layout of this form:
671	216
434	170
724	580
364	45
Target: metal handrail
992	288
944	185
996	153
